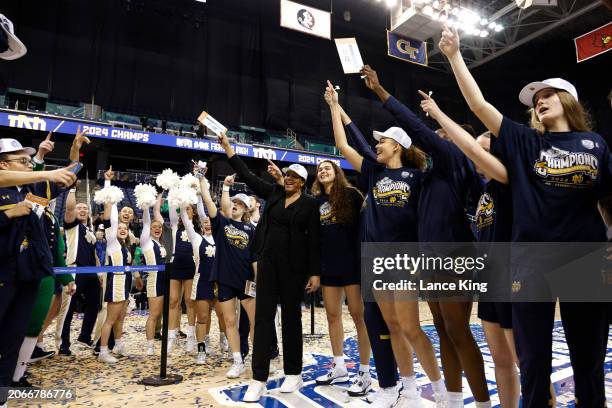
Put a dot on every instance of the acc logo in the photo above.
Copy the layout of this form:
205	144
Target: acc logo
127	269
588	144
27	122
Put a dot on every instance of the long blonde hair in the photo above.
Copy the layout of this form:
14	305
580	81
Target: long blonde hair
577	117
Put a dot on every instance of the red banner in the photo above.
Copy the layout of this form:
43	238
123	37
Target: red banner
593	43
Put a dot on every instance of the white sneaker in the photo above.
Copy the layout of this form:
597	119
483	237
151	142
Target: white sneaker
223	344
409	399
362	384
107	358
384	397
190	346
236	370
255	391
201	358
292	383
120	350
171	345
334	375
150	350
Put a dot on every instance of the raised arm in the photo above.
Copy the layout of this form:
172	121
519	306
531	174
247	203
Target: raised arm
487	113
200	208
111	232
157	216
64	177
226	202
108	176
351	155
194	237
173	224
70	214
356	139
259	186
79	140
145	236
208	202
489	164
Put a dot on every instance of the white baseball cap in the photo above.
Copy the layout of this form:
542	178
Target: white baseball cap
12	145
15	48
243	198
396	133
297	169
528	92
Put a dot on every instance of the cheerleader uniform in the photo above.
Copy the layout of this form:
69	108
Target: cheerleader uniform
118	284
203	288
183	265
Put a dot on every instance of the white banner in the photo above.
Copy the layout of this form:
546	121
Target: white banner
306	19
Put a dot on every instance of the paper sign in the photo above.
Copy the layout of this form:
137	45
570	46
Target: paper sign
249	288
349	55
211	123
38	204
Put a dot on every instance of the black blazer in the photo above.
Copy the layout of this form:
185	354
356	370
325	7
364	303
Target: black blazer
305	228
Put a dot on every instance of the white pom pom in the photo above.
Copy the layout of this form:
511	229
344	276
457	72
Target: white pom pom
146	196
182	196
190	181
108	195
168	179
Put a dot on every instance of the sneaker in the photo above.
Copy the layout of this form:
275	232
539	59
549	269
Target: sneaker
334	375
255	391
384	397
150	350
292	383
223	344
171	345
107	358
85	344
64	351
120	350
409	399
40	354
22	383
190	347
236	370
201	357
362	384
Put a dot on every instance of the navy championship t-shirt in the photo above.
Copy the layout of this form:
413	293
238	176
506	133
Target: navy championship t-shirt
556	180
340	241
232	264
390	206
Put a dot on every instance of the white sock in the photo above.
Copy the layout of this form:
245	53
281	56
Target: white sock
171	334
103	349
485	404
409	383
455	396
438	386
41	345
119	342
364	369
25	352
237	358
339	362
190	331
150	343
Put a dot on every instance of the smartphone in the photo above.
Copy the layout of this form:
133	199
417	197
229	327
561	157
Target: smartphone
77	168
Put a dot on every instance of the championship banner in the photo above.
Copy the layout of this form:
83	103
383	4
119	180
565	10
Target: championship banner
45	123
593	43
406	49
306	19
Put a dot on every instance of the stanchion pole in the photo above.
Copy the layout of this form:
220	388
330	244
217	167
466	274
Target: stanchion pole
312	334
164	378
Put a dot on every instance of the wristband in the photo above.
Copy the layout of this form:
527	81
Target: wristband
35	160
73	190
226	188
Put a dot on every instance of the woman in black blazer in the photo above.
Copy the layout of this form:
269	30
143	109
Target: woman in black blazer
286	243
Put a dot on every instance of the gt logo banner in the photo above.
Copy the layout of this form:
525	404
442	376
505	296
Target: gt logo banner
406	49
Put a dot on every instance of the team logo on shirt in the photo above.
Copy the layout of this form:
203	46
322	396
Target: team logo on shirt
485	211
388	192
236	237
210	251
184	236
563	168
162	251
325	214
89	236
